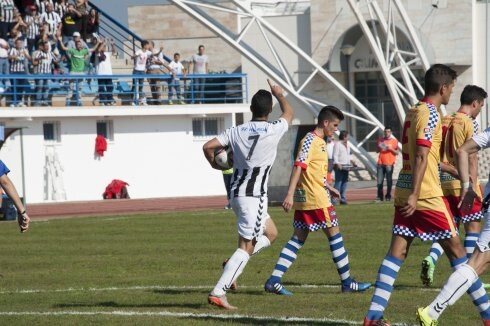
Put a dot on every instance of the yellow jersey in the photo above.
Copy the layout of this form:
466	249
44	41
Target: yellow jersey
457	128
311	192
422	127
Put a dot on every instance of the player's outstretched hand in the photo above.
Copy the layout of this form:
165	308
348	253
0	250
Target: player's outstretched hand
468	196
334	192
410	206
287	204
276	90
23	220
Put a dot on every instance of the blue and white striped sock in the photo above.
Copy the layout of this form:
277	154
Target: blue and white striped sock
470	243
340	258
286	258
387	274
476	292
435	252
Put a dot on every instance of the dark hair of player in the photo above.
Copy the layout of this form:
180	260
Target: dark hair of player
261	104
343	134
329	113
437	76
472	93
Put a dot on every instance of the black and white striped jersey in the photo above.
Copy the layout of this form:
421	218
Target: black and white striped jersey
45	62
7	11
32	26
254	146
60	9
42	5
19	63
53	20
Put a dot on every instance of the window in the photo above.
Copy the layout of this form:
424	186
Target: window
206	127
51	131
105	128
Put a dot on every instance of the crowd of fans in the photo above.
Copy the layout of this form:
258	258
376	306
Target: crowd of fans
44	37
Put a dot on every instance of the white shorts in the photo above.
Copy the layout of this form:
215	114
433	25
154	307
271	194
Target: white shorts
251	213
483	241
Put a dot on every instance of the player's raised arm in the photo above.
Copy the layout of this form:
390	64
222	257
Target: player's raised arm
287	110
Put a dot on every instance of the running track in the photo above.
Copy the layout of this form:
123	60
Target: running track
154	205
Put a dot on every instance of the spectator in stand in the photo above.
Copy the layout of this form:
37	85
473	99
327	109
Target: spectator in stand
19	58
177	69
199	62
42	5
92	22
78	60
4	64
25	4
342	163
155	64
71	23
103	66
140	58
72	43
82	7
7	17
33	22
388	150
43	60
61	6
16	34
53	20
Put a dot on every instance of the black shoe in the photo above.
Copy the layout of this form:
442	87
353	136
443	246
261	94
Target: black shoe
343	203
388	198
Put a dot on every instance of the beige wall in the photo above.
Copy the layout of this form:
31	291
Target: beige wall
177	31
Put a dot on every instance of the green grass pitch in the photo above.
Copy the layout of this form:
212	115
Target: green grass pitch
158	269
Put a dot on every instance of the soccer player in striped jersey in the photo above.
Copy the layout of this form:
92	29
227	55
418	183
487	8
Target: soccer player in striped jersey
420	207
309	193
254	146
457	128
19	57
463	279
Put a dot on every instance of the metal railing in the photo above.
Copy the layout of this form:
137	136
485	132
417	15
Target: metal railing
18	90
125	40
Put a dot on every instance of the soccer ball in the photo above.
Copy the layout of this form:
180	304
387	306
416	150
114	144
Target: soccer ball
224	158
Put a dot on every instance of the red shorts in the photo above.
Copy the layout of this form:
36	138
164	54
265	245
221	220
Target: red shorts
475	214
315	219
431	220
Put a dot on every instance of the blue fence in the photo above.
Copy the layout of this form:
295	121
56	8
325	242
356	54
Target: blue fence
146	89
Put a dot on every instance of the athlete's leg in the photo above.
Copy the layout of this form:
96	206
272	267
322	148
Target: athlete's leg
341	261
266	239
286	259
387	274
472	232
457	257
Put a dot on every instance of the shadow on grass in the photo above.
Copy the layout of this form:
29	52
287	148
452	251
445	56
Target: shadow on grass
269	322
112	304
180	291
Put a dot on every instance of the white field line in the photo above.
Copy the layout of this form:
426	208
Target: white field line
169	287
177	315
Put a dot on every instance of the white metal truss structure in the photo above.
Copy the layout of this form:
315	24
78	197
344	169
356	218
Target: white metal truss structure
395	64
277	70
